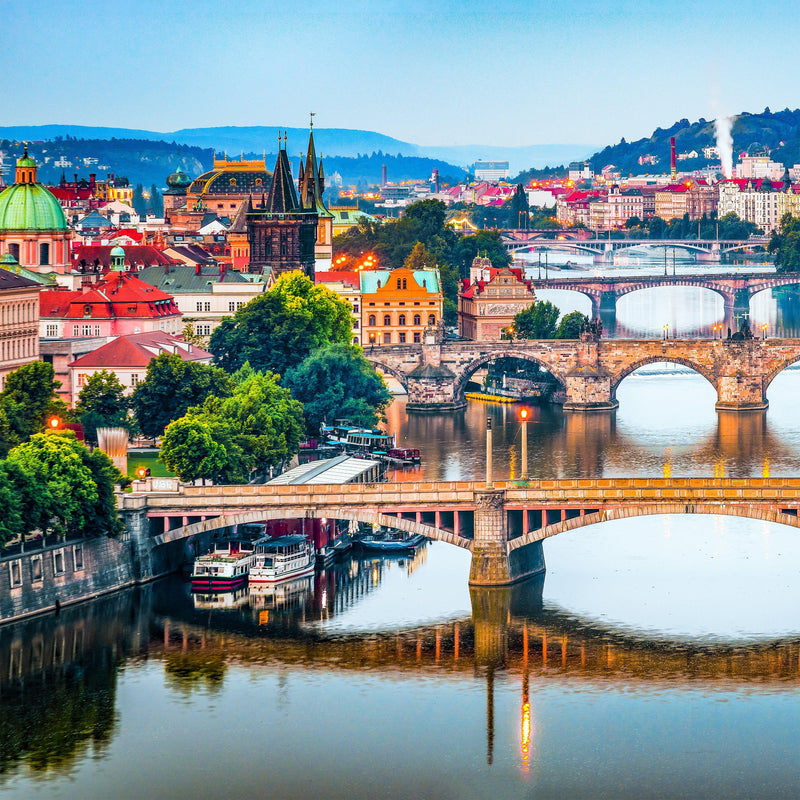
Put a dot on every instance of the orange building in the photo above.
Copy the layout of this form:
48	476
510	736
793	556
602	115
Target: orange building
398	305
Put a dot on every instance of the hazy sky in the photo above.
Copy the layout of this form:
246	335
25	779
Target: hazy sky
434	73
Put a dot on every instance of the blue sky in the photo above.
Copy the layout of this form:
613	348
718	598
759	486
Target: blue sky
433	73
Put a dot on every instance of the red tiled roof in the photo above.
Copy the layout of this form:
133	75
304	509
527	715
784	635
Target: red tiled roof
135	254
137	349
343	276
118	295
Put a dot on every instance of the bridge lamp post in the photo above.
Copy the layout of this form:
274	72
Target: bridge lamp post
489	483
764	331
524	413
665	329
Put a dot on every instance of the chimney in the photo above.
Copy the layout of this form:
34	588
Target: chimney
197	269
673	171
383	176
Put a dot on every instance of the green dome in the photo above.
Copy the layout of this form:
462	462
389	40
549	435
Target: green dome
26	160
179	180
117	251
30	207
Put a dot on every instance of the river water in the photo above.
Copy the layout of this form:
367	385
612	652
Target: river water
659	657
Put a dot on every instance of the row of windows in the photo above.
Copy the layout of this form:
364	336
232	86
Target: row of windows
77	330
18	348
37	566
386	338
205	305
84	376
13	313
401	320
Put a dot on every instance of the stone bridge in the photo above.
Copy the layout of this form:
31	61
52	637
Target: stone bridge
435	375
736	289
502	525
712	249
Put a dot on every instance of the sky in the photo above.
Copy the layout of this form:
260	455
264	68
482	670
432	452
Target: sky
433	73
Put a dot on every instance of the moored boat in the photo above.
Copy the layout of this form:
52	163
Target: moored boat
389	543
281	558
225	568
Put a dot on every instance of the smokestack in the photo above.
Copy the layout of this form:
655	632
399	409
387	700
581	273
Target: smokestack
436	180
673	172
383	176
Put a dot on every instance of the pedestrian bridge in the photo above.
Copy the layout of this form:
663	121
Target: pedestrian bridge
502	525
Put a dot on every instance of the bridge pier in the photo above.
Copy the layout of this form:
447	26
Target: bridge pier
589	389
491	564
742	386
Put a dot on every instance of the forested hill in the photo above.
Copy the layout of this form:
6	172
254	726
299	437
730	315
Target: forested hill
778	131
149	162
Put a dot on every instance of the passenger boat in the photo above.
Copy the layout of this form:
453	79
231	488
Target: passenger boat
402	455
225	568
389	543
220	601
281	558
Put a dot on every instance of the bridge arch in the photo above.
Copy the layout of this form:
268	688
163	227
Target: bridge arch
625	512
787	362
401	377
727	296
354	515
659	359
466	371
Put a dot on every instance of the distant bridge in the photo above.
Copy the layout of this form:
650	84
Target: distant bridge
713	248
735	288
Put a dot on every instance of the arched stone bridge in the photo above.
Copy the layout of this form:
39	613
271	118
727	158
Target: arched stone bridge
713	248
736	289
503	526
435	375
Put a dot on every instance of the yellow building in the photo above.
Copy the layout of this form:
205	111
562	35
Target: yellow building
398	305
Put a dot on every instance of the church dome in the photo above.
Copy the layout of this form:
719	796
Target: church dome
233	177
30	207
178	182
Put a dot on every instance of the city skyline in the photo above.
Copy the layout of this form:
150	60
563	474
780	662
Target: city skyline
432	74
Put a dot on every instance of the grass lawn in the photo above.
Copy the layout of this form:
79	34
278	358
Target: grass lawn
147	458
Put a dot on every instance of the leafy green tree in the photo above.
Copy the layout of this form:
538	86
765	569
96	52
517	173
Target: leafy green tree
191	449
571	325
171	387
57	462
156	204
785	244
279	328
26	402
102	403
537	322
138	200
11	524
337	381
418	258
34	499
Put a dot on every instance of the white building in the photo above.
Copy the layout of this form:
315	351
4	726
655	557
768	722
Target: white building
490	170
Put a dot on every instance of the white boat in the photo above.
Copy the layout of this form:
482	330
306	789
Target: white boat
225	568
281	558
220	601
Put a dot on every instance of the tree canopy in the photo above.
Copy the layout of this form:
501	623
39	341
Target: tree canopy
537	322
338	382
102	403
171	387
785	244
278	329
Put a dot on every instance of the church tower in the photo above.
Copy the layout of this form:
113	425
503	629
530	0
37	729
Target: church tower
312	185
281	231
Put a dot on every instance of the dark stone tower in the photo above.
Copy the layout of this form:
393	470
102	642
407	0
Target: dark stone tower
280	230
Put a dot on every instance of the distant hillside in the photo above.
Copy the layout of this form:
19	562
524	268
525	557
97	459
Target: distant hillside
330	142
779	132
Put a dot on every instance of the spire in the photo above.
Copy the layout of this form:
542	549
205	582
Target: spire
282	195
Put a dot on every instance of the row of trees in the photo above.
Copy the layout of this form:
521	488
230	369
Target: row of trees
541	321
785	244
707	227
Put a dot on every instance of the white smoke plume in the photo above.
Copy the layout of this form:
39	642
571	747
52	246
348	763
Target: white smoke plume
722	128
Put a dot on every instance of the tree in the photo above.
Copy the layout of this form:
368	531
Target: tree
418	258
35	502
26	402
56	462
171	387
337	381
571	325
100	518
155	204
785	244
11	524
138	201
279	328
536	322
191	450
102	403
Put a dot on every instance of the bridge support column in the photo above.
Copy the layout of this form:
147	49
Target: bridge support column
133	514
589	389
741	386
491	563
431	390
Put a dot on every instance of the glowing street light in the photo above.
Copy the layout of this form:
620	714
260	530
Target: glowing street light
764	331
665	329
54	423
524	413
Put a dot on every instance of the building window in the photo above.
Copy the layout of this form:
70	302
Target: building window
36	569
402	337
417	338
44	253
387	320
372	320
86	330
81	379
355	324
58	562
231	305
96	330
202	330
77	556
431	319
87	311
387	338
417	319
401	320
15	573
204	306
75	330
134	379
404	283
399	283
51	331
14	250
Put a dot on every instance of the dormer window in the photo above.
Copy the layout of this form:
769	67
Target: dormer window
87	311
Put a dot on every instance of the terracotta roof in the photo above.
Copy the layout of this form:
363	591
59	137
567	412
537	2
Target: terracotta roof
136	254
138	350
118	295
343	276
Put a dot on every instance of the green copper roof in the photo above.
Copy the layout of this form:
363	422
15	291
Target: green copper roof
30	207
369	280
117	251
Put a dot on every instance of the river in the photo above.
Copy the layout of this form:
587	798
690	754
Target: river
659	657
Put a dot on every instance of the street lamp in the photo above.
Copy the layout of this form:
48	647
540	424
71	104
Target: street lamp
524	413
764	331
665	330
489	483
54	423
